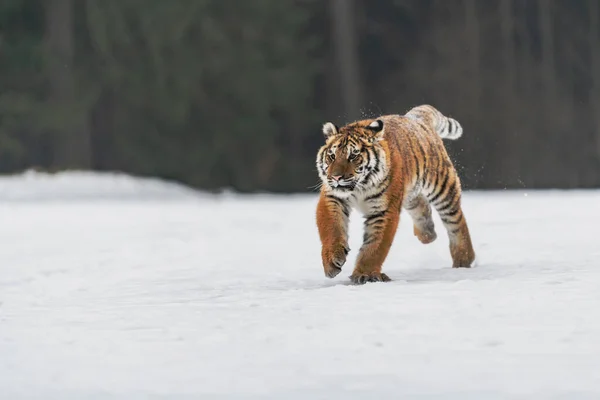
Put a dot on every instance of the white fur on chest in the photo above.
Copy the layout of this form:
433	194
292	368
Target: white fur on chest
365	206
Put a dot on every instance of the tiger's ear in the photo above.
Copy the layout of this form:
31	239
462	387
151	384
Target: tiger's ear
330	129
376	128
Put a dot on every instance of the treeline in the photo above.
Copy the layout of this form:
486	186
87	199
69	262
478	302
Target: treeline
232	93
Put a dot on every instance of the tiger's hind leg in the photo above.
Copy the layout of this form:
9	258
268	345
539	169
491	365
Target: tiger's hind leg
420	212
446	198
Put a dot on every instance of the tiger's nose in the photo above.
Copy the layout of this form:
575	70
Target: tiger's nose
336	177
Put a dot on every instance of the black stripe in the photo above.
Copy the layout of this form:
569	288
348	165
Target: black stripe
454	231
445	122
323	169
424	160
450	127
449	201
436	176
375	222
442	188
435	173
376	169
376	215
452	213
335	199
368	159
455	221
346	211
377	161
369	168
414	156
341	204
380	192
448	198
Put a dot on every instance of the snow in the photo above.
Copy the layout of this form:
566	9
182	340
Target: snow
118	290
80	185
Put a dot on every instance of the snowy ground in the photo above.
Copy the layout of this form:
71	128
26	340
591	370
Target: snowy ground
174	296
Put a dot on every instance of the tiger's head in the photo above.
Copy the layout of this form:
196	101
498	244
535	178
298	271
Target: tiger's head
352	157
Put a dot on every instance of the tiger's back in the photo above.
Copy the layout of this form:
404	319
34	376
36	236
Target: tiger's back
420	145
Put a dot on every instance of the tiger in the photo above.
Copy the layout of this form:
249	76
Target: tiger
379	167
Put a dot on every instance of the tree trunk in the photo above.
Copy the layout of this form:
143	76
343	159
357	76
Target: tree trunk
73	145
473	89
507	25
472	33
551	100
547	41
346	54
525	74
509	165
594	43
101	125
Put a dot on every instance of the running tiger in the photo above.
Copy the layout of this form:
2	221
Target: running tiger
379	166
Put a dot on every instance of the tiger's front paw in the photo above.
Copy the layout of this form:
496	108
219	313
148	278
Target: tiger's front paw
334	259
359	278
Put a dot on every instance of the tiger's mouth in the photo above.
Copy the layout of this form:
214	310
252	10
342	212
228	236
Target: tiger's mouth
344	185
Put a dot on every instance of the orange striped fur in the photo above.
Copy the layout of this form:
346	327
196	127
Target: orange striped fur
378	167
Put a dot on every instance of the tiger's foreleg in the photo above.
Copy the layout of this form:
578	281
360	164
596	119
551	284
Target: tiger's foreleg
380	229
332	222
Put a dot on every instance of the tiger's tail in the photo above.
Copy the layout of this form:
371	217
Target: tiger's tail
446	127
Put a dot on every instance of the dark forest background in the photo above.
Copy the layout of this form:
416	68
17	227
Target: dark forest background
233	93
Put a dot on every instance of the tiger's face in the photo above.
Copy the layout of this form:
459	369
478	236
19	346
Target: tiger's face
351	158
